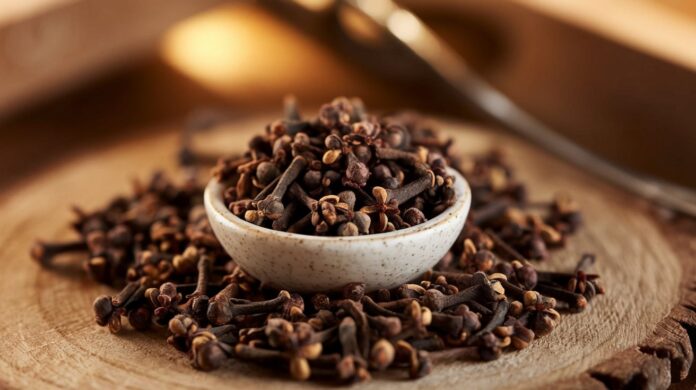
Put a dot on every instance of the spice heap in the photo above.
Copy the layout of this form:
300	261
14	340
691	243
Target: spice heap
482	299
342	173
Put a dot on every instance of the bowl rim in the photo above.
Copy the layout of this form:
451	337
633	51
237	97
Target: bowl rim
212	199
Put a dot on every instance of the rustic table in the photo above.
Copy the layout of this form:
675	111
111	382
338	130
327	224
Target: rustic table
635	335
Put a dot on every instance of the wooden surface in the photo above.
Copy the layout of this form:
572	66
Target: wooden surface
49	339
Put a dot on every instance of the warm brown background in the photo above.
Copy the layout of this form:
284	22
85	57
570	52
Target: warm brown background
618	77
625	89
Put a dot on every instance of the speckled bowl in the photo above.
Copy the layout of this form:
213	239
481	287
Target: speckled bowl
304	263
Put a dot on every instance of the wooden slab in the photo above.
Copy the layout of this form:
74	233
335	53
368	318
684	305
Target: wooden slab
49	339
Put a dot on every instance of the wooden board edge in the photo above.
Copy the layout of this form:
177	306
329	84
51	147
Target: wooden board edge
666	356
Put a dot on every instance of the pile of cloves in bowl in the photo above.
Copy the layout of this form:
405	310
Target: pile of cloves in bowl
483	298
343	173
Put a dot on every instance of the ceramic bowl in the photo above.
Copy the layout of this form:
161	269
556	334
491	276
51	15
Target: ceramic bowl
305	263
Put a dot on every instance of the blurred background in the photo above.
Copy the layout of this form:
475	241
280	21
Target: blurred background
617	77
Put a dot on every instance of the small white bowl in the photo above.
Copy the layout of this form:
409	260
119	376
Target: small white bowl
305	263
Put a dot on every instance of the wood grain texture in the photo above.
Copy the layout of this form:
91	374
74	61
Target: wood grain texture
635	334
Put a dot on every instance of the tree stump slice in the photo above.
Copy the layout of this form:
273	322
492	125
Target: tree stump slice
636	334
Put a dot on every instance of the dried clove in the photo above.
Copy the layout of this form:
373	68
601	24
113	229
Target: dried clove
345	173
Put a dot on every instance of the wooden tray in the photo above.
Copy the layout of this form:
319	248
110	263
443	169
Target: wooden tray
635	334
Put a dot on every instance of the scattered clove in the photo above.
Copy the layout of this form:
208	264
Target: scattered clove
343	173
